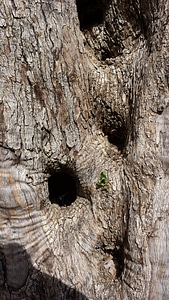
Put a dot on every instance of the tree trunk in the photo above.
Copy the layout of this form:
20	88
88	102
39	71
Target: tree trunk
84	150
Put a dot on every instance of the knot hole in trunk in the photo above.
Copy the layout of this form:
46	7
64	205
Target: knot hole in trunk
91	12
62	189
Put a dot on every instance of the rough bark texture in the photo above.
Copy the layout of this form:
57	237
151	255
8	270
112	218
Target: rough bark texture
84	95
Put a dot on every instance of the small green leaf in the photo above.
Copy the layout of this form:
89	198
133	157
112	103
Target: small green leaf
102	175
103	182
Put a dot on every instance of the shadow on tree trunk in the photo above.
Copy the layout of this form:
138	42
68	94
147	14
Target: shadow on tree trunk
20	280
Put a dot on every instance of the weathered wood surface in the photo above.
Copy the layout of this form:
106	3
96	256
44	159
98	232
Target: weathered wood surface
84	90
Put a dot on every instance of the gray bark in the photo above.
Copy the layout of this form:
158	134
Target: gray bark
84	92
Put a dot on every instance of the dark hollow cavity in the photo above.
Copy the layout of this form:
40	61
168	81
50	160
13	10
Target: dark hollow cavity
90	12
115	128
62	189
118	137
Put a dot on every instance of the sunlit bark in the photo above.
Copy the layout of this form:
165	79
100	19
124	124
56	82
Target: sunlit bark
84	157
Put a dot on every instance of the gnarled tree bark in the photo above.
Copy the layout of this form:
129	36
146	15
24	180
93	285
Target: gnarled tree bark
84	153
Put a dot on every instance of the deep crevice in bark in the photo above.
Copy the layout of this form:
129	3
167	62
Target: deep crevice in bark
118	257
2	269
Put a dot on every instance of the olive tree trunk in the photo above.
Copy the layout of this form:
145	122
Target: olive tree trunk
84	150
